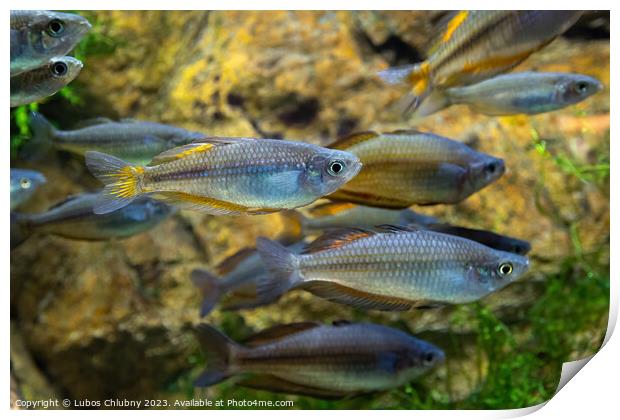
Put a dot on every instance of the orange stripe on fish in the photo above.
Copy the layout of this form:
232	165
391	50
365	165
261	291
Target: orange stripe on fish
419	78
330	209
496	63
454	23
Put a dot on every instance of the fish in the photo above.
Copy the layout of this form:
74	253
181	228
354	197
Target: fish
393	269
73	218
235	280
517	93
476	45
37	36
137	142
324	361
338	215
226	176
24	183
34	85
409	167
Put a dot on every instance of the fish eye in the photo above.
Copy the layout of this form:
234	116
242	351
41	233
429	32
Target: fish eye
25	183
59	68
56	27
504	269
582	87
428	358
491	168
335	167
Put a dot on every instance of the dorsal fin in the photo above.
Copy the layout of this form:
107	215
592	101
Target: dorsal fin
278	332
398	229
341	322
445	27
336	239
197	145
409	131
353	139
229	264
330	209
92	121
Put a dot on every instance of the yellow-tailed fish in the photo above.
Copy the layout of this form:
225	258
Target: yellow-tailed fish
227	176
479	44
516	93
411	167
34	85
396	269
40	35
326	361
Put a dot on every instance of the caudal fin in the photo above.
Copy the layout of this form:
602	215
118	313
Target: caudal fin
417	77
41	142
218	350
210	288
122	181
282	265
436	101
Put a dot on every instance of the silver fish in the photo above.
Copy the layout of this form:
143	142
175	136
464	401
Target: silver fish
395	270
24	183
138	142
518	93
34	85
227	176
327	361
236	280
40	35
74	219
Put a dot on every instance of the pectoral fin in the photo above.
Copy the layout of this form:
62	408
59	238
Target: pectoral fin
335	292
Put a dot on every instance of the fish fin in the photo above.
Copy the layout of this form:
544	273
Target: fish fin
434	102
417	76
208	205
122	181
217	349
330	209
282	264
369	200
341	322
387	228
20	228
180	152
64	201
42	138
344	295
295	223
273	383
351	140
445	27
277	332
406	131
231	262
336	238
90	122
209	286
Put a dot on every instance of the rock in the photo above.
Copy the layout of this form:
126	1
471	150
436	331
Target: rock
114	319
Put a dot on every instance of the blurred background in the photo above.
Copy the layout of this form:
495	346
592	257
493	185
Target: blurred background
114	319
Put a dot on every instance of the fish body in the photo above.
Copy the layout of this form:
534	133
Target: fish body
34	85
37	36
24	183
227	176
396	270
328	361
74	219
479	44
516	93
235	280
411	167
134	141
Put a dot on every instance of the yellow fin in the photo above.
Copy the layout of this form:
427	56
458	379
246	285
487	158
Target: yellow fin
180	152
367	199
336	239
330	209
353	139
207	204
454	23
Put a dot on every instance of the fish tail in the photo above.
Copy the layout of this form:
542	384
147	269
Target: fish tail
282	264
436	101
123	182
210	287
417	76
41	142
218	350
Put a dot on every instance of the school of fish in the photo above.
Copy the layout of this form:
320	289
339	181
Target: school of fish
355	240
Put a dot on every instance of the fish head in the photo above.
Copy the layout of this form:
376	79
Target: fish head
28	180
484	172
420	357
575	88
64	68
328	170
55	33
495	271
